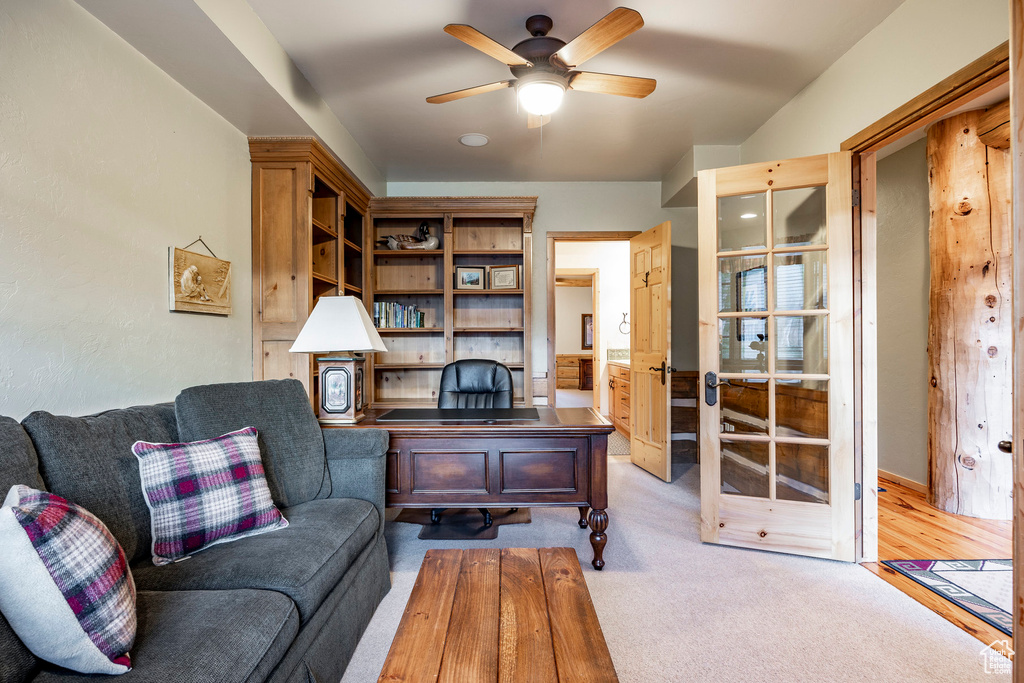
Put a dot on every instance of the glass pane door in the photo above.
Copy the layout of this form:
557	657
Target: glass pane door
773	344
776	347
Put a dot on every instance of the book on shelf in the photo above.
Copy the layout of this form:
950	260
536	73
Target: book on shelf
392	315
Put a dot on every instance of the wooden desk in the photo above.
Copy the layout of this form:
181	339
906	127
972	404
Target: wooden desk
558	460
488	615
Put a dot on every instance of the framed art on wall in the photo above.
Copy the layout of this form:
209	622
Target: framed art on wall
199	283
587	341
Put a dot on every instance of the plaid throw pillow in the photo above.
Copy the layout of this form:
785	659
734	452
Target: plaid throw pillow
65	586
205	492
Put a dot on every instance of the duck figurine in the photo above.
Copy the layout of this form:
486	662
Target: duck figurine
422	240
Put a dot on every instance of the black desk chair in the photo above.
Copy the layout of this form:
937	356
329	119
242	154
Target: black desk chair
474	383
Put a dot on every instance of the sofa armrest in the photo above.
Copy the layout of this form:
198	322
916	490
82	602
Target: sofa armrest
356	460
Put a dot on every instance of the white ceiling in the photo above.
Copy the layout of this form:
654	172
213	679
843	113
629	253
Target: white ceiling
723	68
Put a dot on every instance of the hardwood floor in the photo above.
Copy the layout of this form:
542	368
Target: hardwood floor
911	529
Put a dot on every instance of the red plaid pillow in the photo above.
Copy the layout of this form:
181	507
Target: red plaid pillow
65	586
205	492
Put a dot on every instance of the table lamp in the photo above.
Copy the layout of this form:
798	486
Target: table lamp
339	326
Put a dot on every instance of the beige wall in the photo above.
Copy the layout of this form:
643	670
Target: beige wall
918	45
903	273
105	162
571	303
585	207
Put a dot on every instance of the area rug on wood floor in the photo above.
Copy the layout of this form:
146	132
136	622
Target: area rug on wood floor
463	524
982	587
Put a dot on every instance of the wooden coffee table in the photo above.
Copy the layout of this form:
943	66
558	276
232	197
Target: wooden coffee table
488	615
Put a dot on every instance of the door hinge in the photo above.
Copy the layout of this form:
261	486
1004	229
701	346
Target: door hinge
856	197
856	491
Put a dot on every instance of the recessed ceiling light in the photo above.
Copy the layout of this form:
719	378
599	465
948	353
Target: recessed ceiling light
748	215
474	139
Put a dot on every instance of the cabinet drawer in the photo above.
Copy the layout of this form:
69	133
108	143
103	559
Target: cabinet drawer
618	372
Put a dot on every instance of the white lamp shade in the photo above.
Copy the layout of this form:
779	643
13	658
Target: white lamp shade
338	323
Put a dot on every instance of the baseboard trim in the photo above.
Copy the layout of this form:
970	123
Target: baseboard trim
903	481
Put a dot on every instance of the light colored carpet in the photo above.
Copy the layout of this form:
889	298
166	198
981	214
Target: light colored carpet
673	609
574	398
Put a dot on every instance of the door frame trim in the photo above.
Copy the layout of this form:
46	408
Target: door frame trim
570	236
981	76
1017	213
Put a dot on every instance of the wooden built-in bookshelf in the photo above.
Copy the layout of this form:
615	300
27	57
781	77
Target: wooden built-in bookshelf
308	230
477	232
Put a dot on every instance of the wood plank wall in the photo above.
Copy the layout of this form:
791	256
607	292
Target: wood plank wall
686	416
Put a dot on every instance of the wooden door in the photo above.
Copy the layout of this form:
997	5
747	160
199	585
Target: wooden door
776	350
650	273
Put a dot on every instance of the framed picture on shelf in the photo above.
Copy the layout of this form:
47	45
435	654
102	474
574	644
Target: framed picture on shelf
504	277
469	277
587	341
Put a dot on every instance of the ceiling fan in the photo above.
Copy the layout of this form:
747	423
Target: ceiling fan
544	66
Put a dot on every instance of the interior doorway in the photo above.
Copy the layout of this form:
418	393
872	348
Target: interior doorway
900	524
575	252
577	336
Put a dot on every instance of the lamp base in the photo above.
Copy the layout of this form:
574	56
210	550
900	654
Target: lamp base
341	389
339	421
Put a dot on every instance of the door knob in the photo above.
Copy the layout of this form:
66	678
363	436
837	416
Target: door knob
662	370
711	384
1006	446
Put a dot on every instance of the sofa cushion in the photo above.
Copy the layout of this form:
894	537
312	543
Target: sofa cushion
205	492
196	636
17	663
19	463
304	561
65	586
290	438
89	461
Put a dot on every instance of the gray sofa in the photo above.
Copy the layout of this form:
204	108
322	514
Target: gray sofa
289	605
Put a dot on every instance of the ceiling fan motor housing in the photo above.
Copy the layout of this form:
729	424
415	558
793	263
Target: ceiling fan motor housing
538	49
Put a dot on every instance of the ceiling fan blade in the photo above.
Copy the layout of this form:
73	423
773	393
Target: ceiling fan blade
615	26
610	84
534	121
468	92
490	47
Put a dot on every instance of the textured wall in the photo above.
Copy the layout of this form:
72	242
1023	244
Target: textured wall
105	162
915	47
903	271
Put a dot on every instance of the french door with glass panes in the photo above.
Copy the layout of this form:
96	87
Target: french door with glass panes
776	349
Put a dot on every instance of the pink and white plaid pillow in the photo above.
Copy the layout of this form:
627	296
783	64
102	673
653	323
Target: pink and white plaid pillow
205	492
65	586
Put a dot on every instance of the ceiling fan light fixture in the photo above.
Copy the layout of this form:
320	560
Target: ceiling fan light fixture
541	94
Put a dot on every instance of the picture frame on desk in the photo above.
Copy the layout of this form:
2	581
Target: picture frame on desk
469	277
504	277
